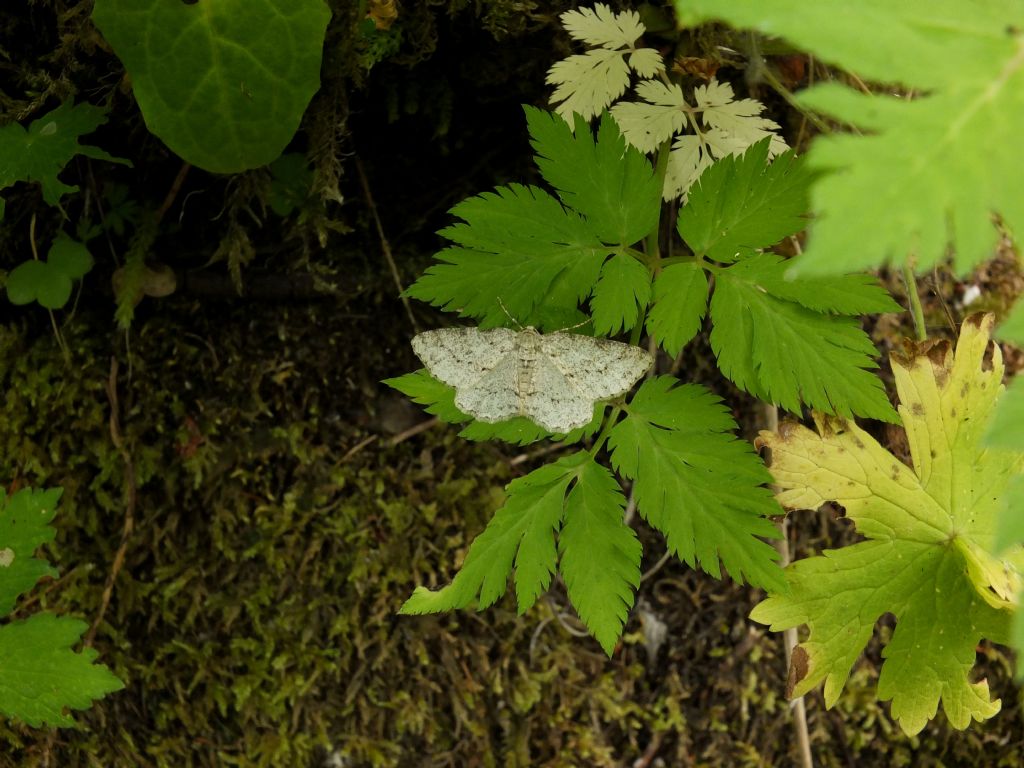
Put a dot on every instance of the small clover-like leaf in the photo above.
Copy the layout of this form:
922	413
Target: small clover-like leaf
49	282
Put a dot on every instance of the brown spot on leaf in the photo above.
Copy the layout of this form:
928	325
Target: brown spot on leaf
798	666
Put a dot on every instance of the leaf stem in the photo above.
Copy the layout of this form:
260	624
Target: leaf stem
916	310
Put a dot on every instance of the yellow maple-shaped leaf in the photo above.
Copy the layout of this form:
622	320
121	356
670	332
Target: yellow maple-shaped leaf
929	531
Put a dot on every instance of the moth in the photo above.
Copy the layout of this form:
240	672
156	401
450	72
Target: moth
552	379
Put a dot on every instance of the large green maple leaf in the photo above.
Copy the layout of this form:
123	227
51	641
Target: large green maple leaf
929	533
926	172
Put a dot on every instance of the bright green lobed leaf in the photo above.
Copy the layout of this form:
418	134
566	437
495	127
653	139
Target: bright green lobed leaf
25	519
51	141
517	248
929	532
743	202
927	173
609	182
622	292
223	83
695	482
600	554
43	676
680	303
49	282
787	354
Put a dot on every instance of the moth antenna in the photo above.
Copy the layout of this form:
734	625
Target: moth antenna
516	323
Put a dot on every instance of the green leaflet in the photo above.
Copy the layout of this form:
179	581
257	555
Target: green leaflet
743	202
622	292
680	303
925	173
41	674
600	555
696	483
50	142
930	533
787	354
224	83
611	183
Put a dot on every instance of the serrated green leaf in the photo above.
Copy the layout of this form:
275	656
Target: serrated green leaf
622	292
680	303
600	554
43	676
930	530
25	519
784	353
51	141
223	83
925	173
517	244
743	202
839	294
696	483
606	180
521	532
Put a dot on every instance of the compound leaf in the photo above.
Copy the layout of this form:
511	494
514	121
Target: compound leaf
925	173
224	83
696	483
930	530
41	152
49	282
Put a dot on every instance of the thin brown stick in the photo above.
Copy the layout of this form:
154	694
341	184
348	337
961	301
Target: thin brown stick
414	430
384	245
789	637
129	505
172	193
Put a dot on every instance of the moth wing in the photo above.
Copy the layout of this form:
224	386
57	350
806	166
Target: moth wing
596	368
556	403
459	357
493	396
